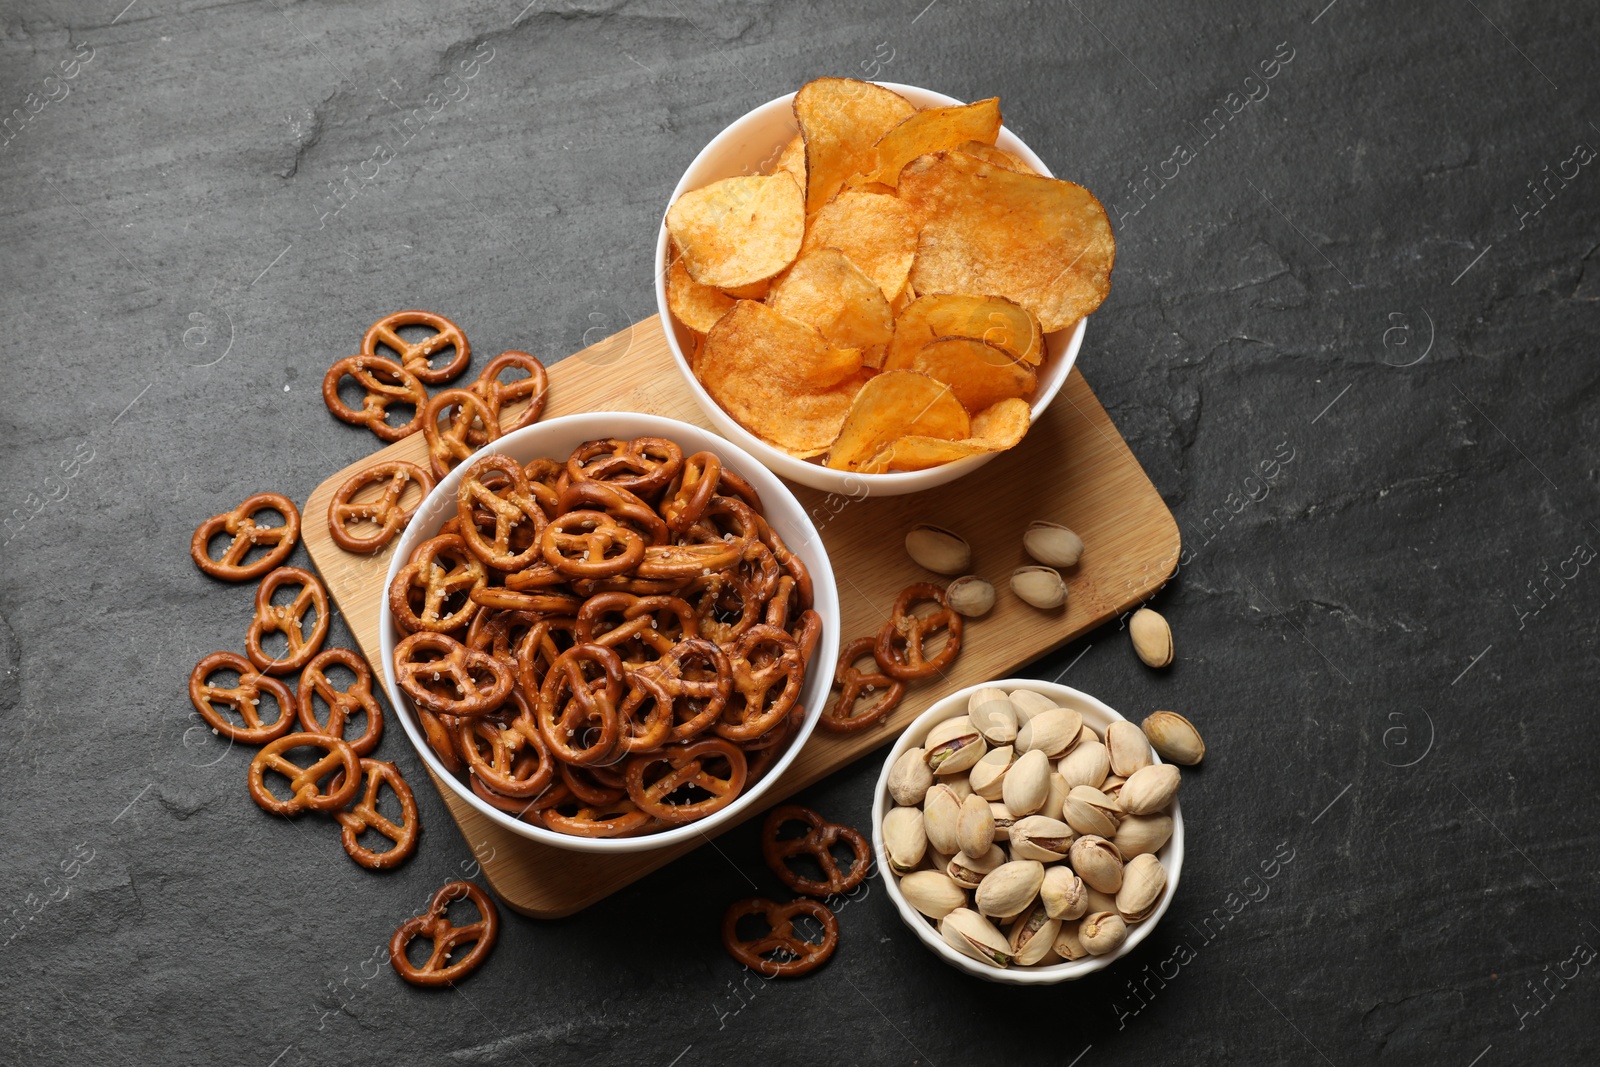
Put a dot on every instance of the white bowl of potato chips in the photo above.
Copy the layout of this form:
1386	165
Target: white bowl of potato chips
874	288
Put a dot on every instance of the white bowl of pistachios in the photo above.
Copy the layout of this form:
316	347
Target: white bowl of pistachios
1017	853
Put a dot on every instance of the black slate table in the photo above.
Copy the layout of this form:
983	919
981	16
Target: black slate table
1350	337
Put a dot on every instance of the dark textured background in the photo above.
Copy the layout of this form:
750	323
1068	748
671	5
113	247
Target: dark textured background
1351	276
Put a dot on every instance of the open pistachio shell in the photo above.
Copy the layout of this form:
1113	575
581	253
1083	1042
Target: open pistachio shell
1033	936
1174	738
904	839
939	550
972	935
1126	747
1144	880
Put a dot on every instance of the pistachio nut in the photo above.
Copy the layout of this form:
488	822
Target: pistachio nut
1008	889
1149	789
1067	944
1088	736
1027	784
905	841
1174	738
967	871
1002	820
1089	811
972	935
940	813
959	785
1032	935
932	893
1063	893
1152	638
1102	932
940	861
1038	837
1126	747
1112	786
1086	764
953	745
1099	901
1028	704
1098	863
1139	834
975	826
937	549
970	595
988	775
1144	880
1052	544
1057	798
1040	586
1052	732
992	713
910	778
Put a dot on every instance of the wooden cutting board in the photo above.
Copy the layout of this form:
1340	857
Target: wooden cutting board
1072	468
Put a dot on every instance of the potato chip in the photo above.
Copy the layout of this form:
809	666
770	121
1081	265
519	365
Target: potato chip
995	430
934	129
753	291
981	375
1042	242
898	305
993	319
877	233
779	378
1002	426
998	157
739	230
917	454
824	289
792	160
895	404
696	306
841	120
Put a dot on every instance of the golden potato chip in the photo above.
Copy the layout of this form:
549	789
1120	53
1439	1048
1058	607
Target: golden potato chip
907	296
894	404
739	230
995	430
824	289
841	120
792	160
916	454
696	306
981	375
998	157
877	233
934	129
778	378
1002	426
993	319
1042	242
753	291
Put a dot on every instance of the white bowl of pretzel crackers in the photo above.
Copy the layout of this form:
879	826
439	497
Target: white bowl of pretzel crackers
627	644
1052	871
874	288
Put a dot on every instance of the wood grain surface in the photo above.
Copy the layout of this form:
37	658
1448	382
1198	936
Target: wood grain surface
1072	468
